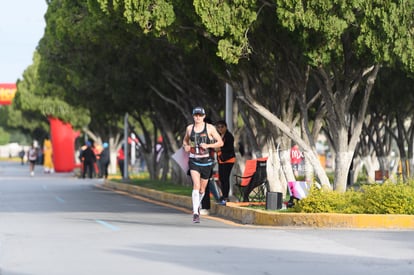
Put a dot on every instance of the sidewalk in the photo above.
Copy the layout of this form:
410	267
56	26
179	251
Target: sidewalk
244	215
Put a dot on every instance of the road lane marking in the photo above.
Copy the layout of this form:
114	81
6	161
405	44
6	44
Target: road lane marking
59	199
108	225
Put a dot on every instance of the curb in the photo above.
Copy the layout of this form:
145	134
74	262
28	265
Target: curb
239	214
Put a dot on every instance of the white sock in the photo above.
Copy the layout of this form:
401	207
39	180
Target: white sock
196	201
201	197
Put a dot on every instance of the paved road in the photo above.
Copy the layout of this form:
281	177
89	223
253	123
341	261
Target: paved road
57	224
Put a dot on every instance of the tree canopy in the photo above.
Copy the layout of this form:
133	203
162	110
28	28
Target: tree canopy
298	68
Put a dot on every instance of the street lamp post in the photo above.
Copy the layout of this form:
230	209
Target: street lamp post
126	147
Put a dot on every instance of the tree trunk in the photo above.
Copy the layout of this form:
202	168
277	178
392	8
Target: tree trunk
276	171
344	127
342	163
309	152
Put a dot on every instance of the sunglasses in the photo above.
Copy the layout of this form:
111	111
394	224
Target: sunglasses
200	115
220	126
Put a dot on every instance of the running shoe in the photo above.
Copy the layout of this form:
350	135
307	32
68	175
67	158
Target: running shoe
223	202
196	218
204	212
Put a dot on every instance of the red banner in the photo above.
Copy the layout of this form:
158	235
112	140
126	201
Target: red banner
7	92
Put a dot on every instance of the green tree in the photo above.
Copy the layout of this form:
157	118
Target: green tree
390	111
132	73
33	105
345	43
342	46
4	136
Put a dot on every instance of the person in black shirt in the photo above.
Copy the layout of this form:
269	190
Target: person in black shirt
226	157
89	158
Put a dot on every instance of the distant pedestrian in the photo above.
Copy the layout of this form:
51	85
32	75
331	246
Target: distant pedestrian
104	161
21	156
97	149
121	160
47	153
88	157
32	157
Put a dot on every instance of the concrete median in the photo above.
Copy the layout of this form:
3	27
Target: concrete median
244	215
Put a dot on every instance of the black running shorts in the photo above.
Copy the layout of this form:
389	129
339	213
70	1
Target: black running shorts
202	165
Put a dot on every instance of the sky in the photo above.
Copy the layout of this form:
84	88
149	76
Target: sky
22	26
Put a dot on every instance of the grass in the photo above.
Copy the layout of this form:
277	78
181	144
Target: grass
168	187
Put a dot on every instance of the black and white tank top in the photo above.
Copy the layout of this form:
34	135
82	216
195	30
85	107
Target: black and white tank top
195	140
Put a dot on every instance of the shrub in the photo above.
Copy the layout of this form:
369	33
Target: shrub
387	198
318	201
